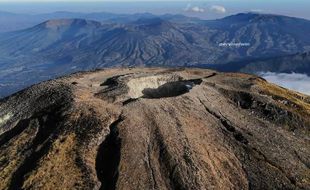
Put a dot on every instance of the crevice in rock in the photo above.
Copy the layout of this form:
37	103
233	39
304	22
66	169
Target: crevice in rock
236	134
170	170
108	158
307	164
264	108
212	75
229	127
130	100
243	99
15	131
265	159
162	157
150	148
168	167
239	137
47	133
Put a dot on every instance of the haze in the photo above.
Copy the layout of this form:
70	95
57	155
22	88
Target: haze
208	9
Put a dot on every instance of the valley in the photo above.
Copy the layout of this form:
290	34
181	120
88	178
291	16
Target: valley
62	46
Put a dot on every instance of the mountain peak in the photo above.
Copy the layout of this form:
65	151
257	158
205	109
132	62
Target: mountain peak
57	23
171	123
244	17
153	24
254	17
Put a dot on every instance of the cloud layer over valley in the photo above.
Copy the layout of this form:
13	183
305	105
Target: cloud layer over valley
293	81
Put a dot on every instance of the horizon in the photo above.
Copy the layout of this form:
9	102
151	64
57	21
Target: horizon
207	10
106	12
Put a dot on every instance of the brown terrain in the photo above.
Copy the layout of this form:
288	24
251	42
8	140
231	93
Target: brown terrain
155	129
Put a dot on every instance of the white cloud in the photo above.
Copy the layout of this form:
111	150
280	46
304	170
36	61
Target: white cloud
294	81
218	9
257	10
196	9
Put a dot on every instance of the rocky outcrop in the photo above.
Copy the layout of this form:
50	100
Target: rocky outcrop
155	129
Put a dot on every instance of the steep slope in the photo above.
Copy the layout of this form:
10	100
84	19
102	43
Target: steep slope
155	129
12	21
268	35
59	47
98	44
296	63
41	53
47	35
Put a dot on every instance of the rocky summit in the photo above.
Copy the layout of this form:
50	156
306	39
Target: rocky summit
155	128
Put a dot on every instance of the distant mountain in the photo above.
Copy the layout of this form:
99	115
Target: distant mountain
267	34
91	44
296	63
12	21
62	46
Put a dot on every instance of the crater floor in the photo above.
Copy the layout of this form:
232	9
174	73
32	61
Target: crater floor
155	128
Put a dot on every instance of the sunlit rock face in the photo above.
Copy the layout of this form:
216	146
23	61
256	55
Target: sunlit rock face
5	118
155	129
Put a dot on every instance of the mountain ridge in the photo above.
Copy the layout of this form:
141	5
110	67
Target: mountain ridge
294	63
154	42
68	22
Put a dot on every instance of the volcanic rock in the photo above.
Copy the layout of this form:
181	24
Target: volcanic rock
155	128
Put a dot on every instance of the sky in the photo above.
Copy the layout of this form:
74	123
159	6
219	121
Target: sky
206	9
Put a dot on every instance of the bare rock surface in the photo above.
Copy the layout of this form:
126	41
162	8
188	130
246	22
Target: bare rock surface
155	129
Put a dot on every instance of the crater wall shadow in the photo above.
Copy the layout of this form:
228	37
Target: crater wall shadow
170	89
